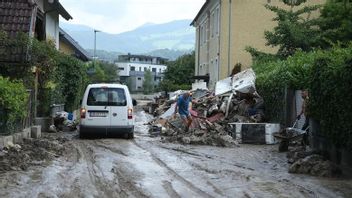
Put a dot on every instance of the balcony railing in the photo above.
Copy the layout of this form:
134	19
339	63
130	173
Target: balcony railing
141	73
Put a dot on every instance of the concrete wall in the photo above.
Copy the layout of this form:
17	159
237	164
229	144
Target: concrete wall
52	27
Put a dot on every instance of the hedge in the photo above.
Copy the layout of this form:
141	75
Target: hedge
331	98
328	76
13	99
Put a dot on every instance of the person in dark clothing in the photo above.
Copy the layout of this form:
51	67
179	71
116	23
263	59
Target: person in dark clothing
182	107
305	97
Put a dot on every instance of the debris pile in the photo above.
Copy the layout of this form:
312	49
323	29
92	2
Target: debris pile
64	121
234	100
311	163
30	152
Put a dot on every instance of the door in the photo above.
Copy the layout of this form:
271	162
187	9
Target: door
118	107
98	107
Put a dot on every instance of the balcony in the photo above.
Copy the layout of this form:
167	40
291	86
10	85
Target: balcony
141	74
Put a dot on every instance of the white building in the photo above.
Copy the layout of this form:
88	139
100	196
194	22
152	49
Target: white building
132	67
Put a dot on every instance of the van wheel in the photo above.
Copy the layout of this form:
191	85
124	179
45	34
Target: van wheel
130	136
81	135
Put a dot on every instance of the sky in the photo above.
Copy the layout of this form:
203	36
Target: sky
116	16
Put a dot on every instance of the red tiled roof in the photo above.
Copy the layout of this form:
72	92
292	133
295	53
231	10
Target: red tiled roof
15	16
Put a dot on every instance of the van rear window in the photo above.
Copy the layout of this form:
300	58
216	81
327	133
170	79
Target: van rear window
106	97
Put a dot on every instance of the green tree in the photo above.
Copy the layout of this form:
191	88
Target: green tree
336	23
148	85
179	73
103	72
295	30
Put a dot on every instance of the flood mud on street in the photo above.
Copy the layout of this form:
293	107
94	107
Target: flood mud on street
148	167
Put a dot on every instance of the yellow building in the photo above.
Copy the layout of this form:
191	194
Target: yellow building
224	28
70	47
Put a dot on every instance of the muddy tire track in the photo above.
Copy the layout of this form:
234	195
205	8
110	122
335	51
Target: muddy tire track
96	175
190	185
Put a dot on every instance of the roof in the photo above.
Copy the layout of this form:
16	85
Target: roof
15	16
19	16
62	11
80	52
109	85
200	12
143	56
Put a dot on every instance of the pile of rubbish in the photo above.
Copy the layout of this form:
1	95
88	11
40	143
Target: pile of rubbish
64	121
311	163
234	100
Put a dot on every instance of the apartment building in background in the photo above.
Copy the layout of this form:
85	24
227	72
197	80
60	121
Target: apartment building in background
224	28
132	68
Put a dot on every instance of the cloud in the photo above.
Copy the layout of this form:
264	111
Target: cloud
115	16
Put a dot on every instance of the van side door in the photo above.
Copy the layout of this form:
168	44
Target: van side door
118	107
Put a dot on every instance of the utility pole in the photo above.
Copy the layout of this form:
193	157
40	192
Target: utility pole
95	46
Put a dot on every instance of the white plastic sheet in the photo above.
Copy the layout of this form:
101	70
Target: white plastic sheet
243	82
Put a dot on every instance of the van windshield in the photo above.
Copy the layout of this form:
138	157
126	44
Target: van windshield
106	97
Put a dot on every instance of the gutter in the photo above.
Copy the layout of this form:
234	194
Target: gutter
229	42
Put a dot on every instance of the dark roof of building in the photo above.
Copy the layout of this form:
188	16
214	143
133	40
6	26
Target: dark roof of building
16	16
142	56
62	11
19	16
80	52
200	12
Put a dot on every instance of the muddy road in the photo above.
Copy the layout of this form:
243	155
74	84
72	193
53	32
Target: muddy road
146	167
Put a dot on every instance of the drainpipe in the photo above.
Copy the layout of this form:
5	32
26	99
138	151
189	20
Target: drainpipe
219	38
198	49
229	42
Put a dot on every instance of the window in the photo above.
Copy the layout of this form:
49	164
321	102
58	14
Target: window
212	24
139	88
139	78
217	21
121	68
133	68
140	68
145	69
154	70
201	35
160	70
106	97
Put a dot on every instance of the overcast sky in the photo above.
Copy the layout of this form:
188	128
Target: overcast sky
115	16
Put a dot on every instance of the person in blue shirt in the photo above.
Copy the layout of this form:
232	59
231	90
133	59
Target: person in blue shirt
182	107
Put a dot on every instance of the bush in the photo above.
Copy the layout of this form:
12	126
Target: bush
331	96
327	75
274	77
13	98
71	80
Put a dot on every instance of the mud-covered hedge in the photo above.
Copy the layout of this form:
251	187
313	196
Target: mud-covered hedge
328	76
275	76
331	98
13	100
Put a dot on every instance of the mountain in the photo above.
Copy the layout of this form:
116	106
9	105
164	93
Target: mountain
175	35
169	54
108	56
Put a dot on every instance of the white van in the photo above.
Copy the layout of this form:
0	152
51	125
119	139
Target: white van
107	109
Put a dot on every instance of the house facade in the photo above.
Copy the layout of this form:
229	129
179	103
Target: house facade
71	47
224	28
37	18
132	68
